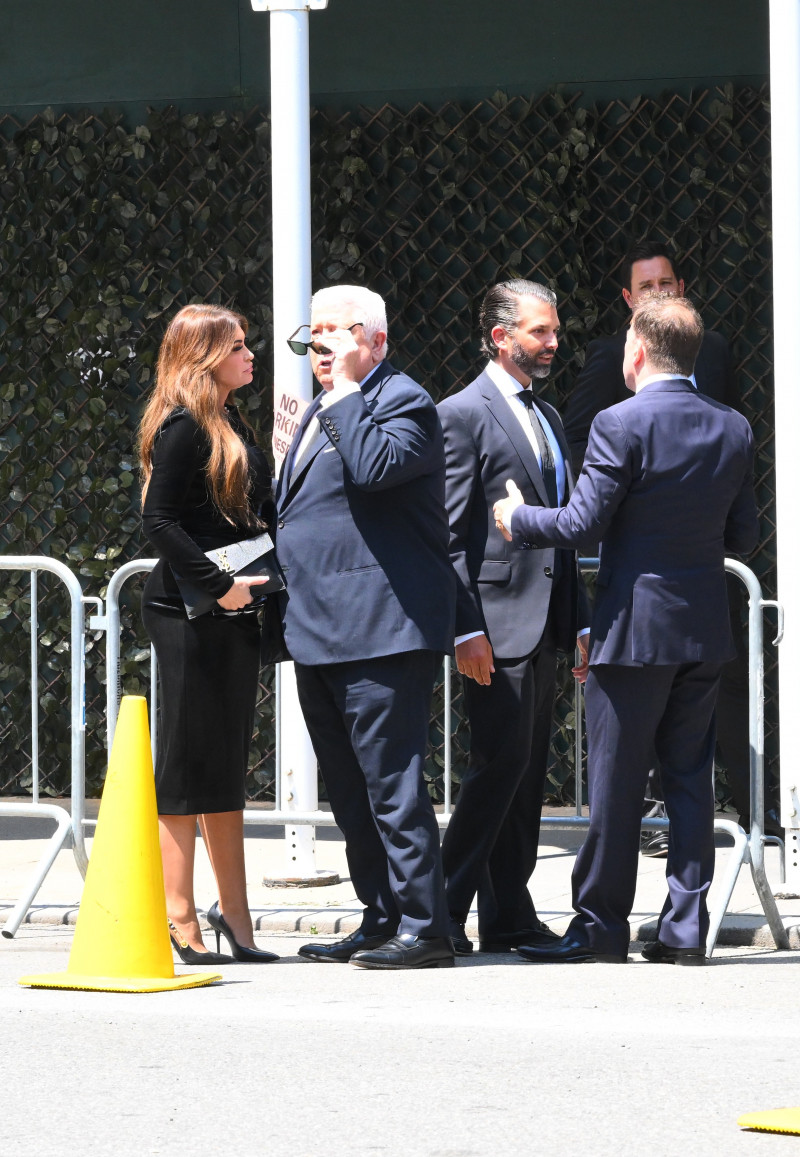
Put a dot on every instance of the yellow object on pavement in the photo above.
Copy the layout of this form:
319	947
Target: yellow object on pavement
772	1121
121	941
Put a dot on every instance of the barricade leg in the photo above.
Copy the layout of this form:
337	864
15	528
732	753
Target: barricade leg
776	926
66	822
57	841
739	856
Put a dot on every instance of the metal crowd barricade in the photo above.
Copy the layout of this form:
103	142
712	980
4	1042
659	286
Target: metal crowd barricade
110	623
67	823
747	849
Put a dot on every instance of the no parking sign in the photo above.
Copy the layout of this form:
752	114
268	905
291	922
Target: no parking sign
289	412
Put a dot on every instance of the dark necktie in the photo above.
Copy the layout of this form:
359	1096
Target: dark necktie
545	449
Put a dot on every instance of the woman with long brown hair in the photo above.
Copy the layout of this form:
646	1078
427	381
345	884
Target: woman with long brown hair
206	484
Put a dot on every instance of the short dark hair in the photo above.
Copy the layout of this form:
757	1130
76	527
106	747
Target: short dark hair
671	329
646	251
500	307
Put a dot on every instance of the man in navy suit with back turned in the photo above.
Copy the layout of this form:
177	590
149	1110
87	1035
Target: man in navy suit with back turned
512	613
368	614
667	487
650	267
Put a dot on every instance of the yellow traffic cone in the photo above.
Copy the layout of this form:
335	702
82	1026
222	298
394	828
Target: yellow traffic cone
121	941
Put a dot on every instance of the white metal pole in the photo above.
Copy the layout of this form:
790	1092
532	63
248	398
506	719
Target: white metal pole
291	296
785	119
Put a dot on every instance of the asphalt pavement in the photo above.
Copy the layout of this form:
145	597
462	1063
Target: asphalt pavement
493	1057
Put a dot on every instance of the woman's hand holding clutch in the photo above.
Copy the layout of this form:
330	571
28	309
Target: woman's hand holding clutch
239	595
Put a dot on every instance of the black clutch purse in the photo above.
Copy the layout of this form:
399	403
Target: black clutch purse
251	556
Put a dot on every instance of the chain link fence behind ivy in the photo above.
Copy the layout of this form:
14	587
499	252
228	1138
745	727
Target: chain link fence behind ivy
107	228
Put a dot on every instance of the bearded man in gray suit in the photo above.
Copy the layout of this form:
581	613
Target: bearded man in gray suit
513	611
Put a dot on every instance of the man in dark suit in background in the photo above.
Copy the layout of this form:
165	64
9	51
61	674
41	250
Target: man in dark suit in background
368	615
650	267
512	612
667	488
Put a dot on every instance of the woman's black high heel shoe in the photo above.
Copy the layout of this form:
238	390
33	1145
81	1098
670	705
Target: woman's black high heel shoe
239	952
190	956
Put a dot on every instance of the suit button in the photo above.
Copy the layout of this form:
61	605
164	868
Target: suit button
548	570
280	525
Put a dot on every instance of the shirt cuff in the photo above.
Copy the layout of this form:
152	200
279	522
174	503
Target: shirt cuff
338	392
471	635
507	525
584	631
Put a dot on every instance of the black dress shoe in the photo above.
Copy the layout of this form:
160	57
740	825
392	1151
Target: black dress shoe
407	951
567	950
539	934
658	953
341	950
462	945
654	844
772	823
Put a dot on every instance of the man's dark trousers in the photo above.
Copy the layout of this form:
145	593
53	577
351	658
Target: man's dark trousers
630	710
368	722
510	727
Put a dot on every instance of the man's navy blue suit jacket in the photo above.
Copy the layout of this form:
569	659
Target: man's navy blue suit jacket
362	530
667	486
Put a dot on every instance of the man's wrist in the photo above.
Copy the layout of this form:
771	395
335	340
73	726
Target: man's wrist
464	638
339	391
508	515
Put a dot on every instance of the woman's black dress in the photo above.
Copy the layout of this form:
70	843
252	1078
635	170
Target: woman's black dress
208	667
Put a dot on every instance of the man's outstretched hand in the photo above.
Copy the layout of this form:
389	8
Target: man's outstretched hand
505	507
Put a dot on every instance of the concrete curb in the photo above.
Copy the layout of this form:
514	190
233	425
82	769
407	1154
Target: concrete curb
741	931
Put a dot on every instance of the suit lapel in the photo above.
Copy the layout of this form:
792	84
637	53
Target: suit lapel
501	412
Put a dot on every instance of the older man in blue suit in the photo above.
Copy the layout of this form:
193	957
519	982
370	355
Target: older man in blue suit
368	614
667	487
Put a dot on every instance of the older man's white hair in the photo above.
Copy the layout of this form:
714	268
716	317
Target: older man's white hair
369	306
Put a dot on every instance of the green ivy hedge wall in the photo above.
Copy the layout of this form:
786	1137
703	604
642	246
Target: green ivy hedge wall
106	228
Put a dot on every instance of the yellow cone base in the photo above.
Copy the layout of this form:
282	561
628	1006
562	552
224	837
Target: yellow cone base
772	1121
120	983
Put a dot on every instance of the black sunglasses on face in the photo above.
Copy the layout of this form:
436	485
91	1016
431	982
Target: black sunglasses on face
301	348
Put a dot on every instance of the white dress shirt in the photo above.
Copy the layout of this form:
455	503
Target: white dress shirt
510	388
